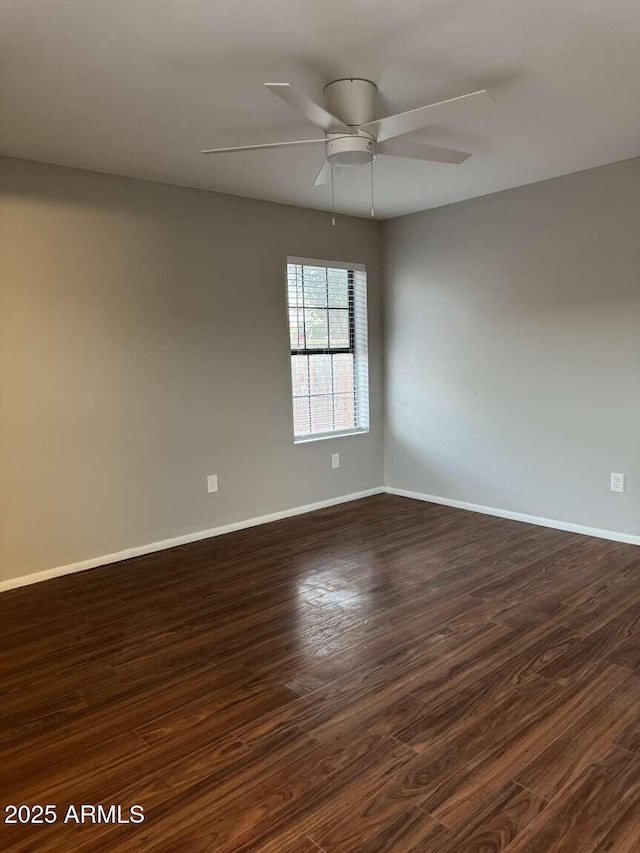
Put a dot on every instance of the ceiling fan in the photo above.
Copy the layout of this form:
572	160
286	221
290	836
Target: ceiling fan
357	137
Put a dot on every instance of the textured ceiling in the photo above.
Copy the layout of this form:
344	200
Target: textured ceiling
138	87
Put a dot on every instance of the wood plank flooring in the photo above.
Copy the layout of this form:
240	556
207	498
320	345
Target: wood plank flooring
385	675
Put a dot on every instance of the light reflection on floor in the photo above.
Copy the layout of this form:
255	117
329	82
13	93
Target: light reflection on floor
331	610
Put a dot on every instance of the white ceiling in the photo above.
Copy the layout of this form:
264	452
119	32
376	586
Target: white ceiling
138	87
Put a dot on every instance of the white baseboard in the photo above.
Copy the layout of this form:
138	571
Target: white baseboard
140	550
150	548
630	538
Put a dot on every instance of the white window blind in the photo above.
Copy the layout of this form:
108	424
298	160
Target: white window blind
328	338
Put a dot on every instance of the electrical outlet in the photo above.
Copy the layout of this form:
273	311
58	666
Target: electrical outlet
212	483
617	482
335	460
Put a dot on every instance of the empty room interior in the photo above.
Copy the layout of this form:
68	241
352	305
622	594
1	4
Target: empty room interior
320	426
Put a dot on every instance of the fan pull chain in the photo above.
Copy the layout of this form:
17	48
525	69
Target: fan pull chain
373	213
333	199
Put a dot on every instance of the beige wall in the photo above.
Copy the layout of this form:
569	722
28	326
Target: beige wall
144	346
512	341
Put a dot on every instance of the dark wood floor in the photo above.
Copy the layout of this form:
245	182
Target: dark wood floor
382	675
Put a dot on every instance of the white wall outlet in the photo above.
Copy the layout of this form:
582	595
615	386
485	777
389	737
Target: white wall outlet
335	460
617	482
212	483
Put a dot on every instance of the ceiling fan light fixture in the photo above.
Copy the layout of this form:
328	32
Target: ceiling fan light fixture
351	158
351	150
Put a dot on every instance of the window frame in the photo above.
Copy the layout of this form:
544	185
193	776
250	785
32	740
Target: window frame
351	269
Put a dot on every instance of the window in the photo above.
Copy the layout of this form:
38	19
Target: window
329	360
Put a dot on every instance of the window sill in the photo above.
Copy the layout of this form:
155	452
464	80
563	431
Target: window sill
323	436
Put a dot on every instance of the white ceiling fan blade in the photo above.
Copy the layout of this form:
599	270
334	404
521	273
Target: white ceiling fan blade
324	175
397	125
417	151
262	147
313	112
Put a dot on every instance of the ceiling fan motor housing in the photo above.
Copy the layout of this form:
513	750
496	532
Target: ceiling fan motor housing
354	102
